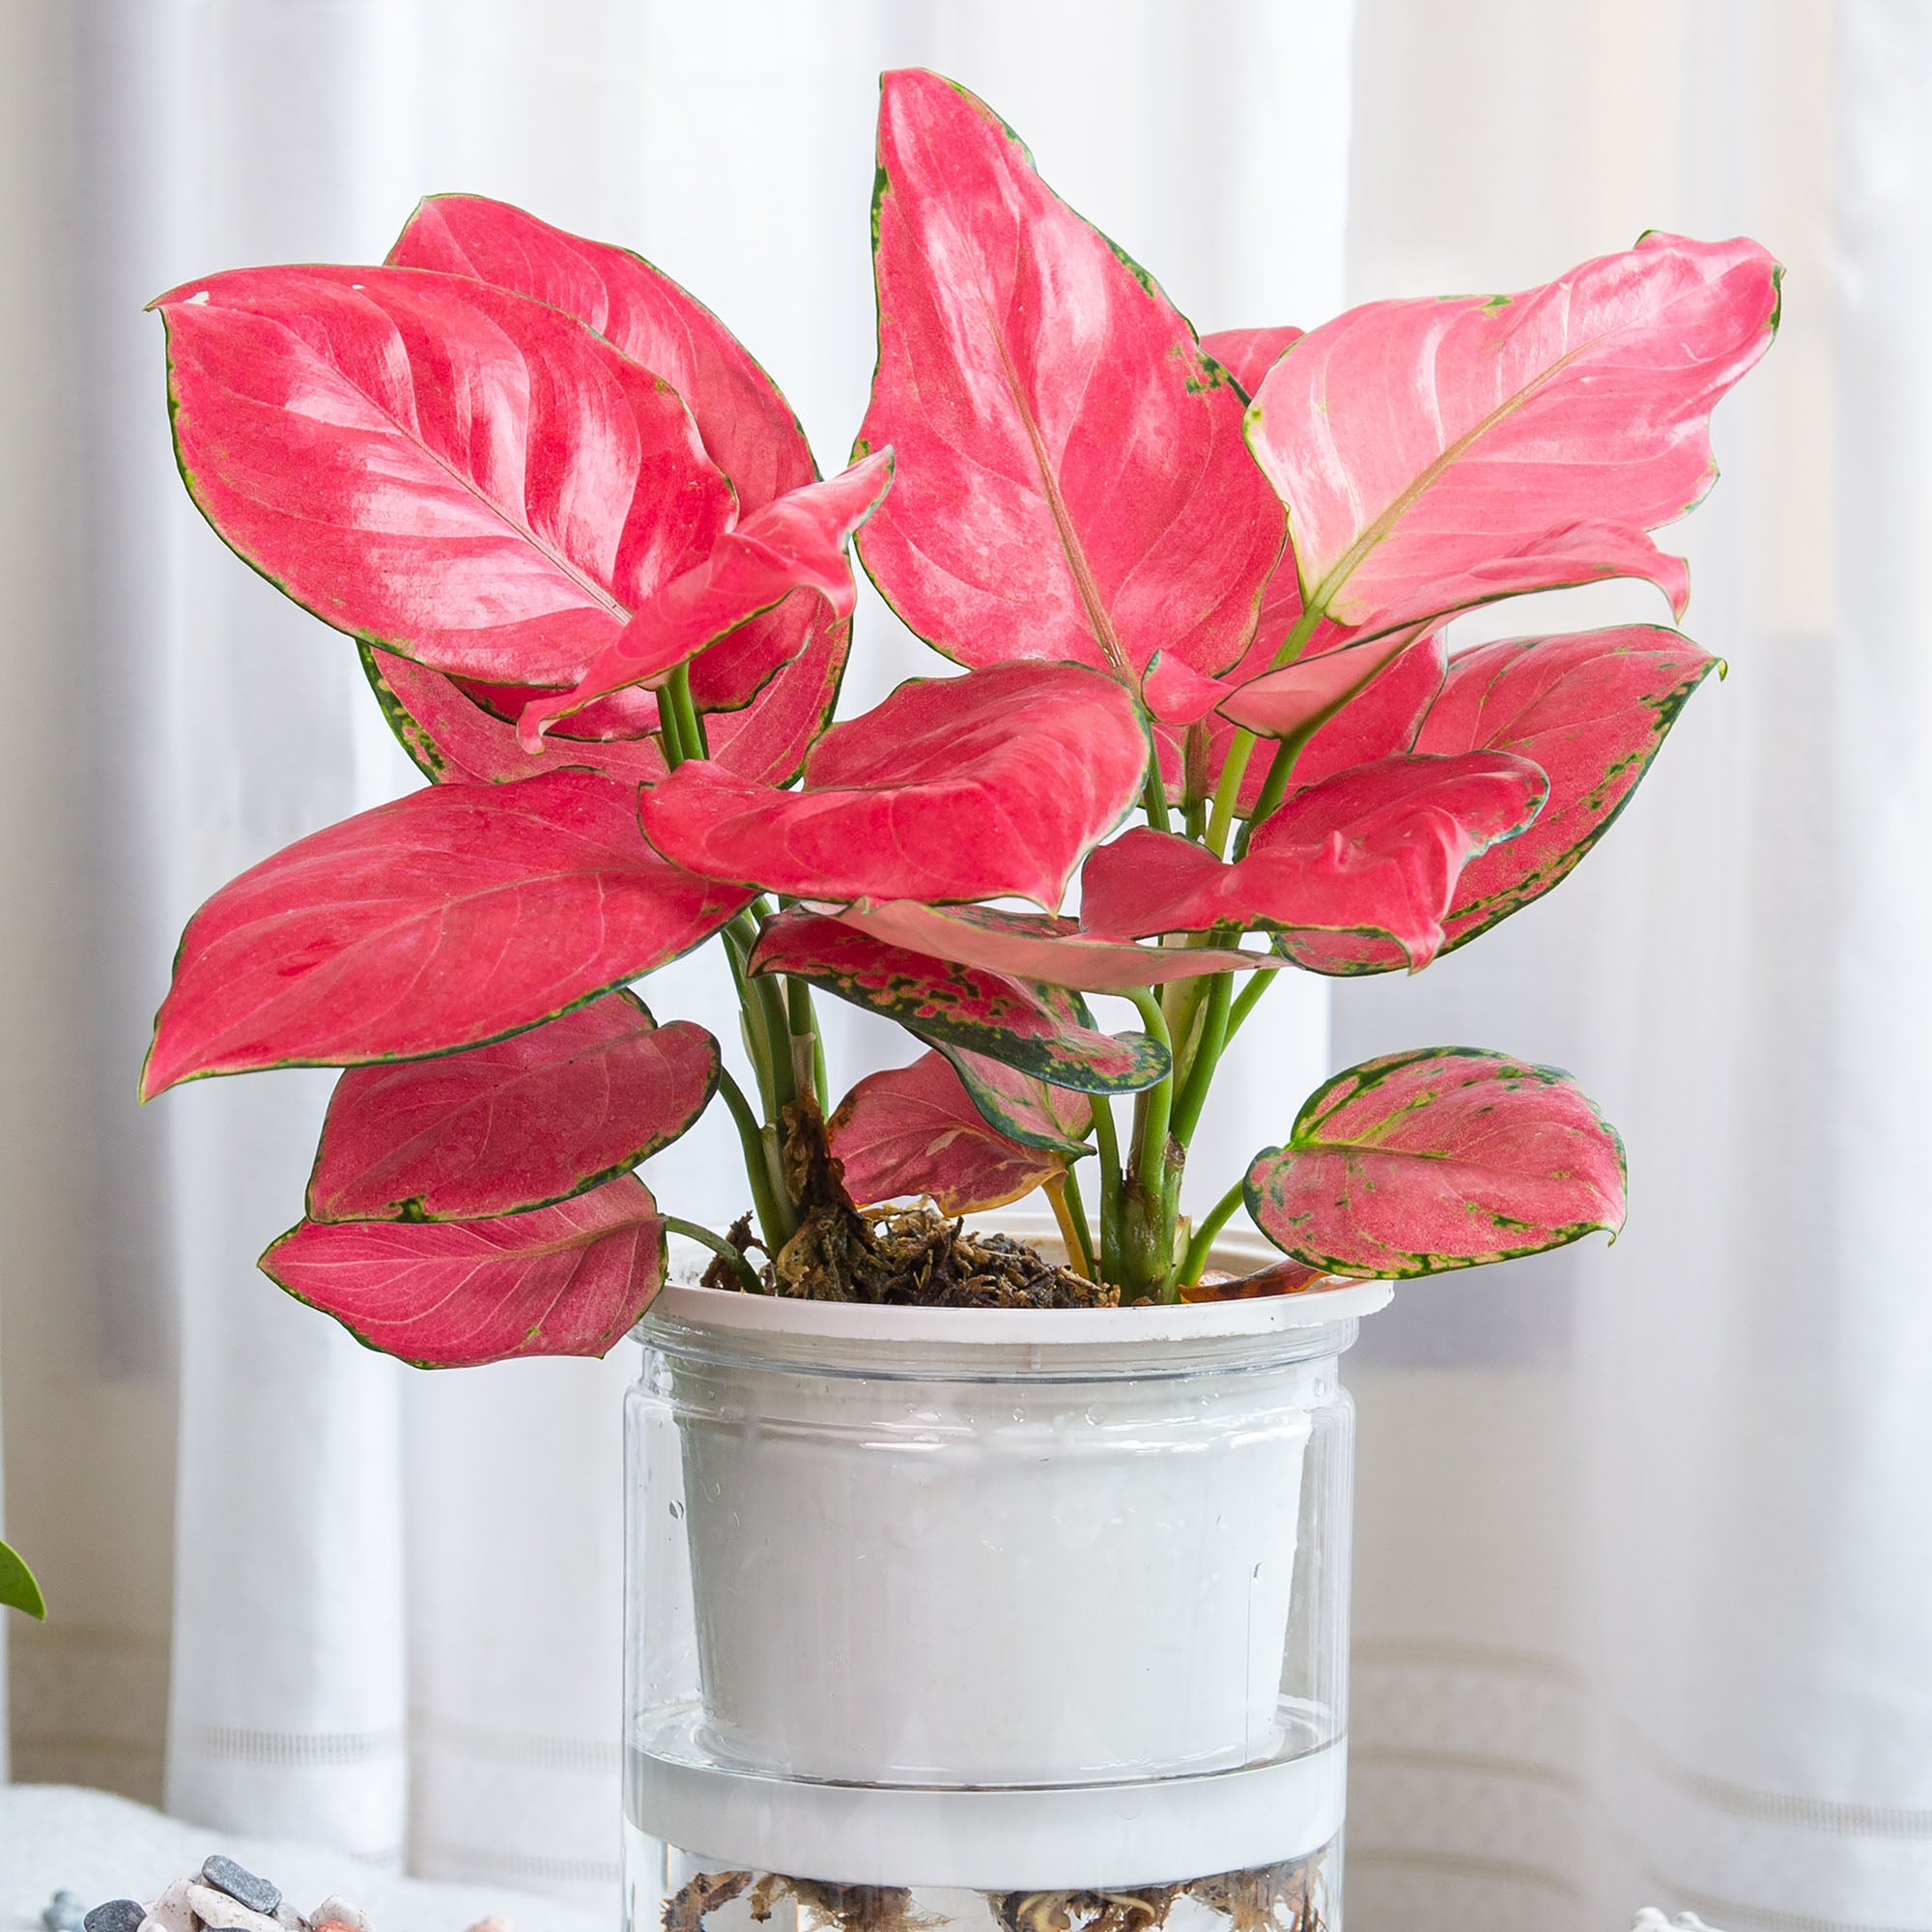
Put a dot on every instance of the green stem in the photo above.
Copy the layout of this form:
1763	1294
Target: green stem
773	1020
1206	1057
740	1265
670	732
1211	1224
1076	1212
1154	796
1107	1146
1151	1153
1240	748
1079	1254
690	725
775	1222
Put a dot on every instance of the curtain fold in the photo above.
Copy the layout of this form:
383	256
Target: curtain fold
396	1597
1645	1602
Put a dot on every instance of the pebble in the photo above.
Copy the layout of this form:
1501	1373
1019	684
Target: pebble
333	1911
240	1882
117	1915
171	1912
225	1912
63	1913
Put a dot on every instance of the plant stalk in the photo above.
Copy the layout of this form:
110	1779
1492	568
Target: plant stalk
738	1263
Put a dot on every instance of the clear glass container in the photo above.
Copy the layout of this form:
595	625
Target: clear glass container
1021	1619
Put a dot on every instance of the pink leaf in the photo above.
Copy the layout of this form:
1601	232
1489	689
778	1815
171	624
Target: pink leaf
569	1280
915	1130
456	915
516	1125
1070	484
1249	353
1443	1158
1298	700
954	788
452	737
1593	710
1043	1031
1022	1106
1036	947
1433	454
1380	719
797	543
747	427
1372	853
439	468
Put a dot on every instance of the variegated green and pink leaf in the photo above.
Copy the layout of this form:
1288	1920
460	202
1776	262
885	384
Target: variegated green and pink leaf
1445	1158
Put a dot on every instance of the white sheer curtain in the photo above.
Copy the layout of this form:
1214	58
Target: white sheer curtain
1644	1604
395	1597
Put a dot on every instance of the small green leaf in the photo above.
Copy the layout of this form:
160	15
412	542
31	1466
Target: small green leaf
18	1589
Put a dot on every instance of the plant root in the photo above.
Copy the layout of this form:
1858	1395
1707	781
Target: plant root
911	1257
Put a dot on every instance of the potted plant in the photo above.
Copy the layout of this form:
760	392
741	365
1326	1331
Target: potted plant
975	1568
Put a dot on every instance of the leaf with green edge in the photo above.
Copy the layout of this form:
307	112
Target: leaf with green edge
916	1130
1593	710
520	1123
441	468
952	788
567	1280
1042	948
1023	1107
452	915
1369	856
1040	1030
1071	484
18	1590
451	736
1447	1158
1534	439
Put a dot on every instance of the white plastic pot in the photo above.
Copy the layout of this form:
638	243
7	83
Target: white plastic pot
991	1599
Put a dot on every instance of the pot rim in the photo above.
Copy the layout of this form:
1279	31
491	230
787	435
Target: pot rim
721	1308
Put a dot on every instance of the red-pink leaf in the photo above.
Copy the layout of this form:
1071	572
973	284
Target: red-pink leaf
954	788
1443	1158
1022	1106
1372	853
1379	720
915	1130
1592	709
456	739
747	426
1070	481
455	915
1040	1030
1277	1278
519	1123
1537	436
453	737
1249	353
1039	948
1296	701
569	1280
796	542
439	468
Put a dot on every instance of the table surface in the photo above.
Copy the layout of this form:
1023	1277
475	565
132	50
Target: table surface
98	1846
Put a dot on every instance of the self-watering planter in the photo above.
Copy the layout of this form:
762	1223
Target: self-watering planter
966	1602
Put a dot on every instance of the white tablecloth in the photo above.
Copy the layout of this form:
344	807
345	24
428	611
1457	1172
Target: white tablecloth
55	1836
